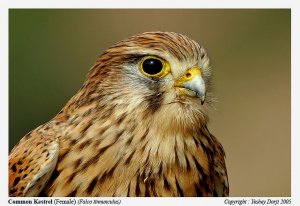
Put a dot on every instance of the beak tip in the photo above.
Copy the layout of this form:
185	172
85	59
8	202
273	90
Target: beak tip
203	99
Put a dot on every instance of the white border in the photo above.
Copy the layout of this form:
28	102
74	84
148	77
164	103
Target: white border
295	113
203	4
3	101
151	4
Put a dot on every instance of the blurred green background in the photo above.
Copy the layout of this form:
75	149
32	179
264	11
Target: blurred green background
51	51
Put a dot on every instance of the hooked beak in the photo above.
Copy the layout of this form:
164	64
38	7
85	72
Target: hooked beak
192	84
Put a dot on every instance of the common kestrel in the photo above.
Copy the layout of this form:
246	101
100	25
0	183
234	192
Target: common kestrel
137	127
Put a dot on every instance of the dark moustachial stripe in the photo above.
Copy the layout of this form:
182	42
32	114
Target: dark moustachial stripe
154	100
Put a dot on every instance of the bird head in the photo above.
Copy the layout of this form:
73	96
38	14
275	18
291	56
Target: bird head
154	73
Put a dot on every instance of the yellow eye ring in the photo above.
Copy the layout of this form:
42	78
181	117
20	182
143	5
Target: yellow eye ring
152	66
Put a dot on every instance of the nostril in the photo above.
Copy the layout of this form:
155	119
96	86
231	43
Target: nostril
188	75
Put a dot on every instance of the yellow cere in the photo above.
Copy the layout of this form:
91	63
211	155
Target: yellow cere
188	75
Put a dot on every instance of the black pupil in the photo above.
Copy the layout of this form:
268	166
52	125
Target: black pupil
152	66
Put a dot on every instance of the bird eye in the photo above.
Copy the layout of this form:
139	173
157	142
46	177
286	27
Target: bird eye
152	66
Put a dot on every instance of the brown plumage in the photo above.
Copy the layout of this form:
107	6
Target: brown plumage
137	127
